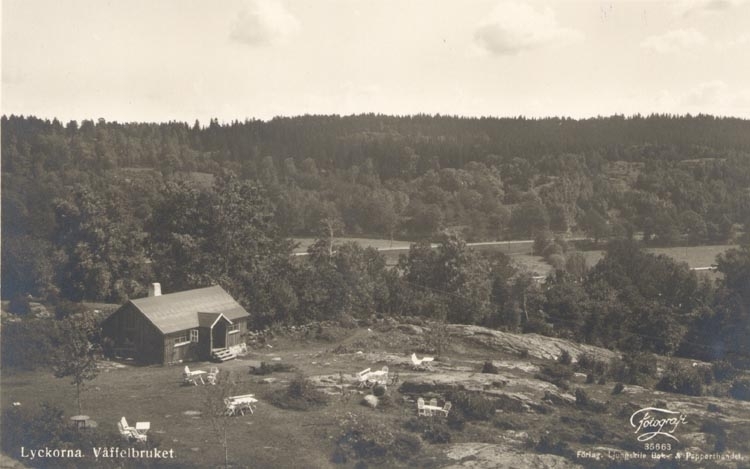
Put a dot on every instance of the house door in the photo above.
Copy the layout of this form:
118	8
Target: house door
219	335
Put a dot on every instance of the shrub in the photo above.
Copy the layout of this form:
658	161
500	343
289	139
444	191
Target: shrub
565	358
434	431
723	370
268	368
379	390
719	433
373	442
587	362
740	389
20	305
618	389
681	379
473	406
634	368
488	367
551	444
301	394
537	326
557	374
65	308
582	399
27	344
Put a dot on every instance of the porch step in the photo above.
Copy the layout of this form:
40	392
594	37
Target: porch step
223	354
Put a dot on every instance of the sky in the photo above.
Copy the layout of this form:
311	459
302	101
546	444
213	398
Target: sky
156	61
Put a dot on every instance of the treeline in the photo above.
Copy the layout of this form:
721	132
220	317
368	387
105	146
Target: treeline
676	179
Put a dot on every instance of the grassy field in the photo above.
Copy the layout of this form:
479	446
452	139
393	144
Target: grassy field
521	253
694	256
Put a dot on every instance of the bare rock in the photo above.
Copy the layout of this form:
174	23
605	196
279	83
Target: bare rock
491	456
548	348
370	401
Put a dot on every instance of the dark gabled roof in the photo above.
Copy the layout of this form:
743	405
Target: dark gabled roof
175	312
210	319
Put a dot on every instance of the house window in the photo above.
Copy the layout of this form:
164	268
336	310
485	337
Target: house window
181	340
194	335
233	328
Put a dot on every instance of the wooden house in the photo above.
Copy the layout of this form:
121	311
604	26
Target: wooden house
191	325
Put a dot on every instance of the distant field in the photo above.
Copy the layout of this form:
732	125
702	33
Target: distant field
521	252
305	243
695	256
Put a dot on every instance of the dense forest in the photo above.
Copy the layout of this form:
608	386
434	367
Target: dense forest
96	210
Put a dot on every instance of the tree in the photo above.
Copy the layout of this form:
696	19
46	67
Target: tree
76	352
528	218
215	408
224	235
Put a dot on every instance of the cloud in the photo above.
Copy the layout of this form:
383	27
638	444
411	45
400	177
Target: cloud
264	22
515	27
688	7
742	40
674	41
713	97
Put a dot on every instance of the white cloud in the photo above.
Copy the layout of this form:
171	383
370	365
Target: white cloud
688	7
713	97
674	41
514	27
264	22
740	41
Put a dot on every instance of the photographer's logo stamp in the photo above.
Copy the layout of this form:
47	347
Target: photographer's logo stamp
650	422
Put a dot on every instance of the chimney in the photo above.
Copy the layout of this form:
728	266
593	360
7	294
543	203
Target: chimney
154	289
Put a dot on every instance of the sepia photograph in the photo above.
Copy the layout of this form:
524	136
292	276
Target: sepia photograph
350	234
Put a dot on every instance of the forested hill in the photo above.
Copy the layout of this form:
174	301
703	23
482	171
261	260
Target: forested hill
675	178
96	210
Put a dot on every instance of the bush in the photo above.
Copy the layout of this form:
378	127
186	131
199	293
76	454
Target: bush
473	406
634	368
488	367
20	305
65	308
723	370
551	444
26	344
681	379
618	389
379	390
740	389
557	374
373	442
268	368
301	394
565	358
587	362
585	402
434	431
